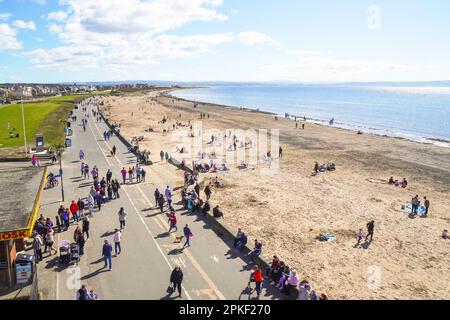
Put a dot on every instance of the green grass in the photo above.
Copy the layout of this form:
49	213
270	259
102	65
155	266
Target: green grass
47	117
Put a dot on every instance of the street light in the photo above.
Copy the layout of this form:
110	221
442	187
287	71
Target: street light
61	174
23	125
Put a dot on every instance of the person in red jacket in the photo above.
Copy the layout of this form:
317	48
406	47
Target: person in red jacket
74	211
257	277
173	222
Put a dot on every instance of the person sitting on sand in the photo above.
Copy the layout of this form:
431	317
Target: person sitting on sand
391	181
360	235
243	165
217	213
404	183
445	234
316	168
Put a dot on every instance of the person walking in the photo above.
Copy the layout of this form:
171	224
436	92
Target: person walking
114	150
86	227
99	200
49	242
208	192
108	176
93	295
80	204
157	194
161	202
74	211
280	153
138	174
130	175
65	219
82	293
38	247
415	202
176	278
427	206
161	155
107	254
143	173
116	189
257	277
187	234
81	154
168	193
122	218
173	222
117	239
123	172
370	228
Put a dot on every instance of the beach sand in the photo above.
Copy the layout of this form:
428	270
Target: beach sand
286	209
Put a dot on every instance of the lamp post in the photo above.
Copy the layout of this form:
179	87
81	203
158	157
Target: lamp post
23	125
61	174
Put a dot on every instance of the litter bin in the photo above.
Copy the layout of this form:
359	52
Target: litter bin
68	124
68	143
25	268
69	132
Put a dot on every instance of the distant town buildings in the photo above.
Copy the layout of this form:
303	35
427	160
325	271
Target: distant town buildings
11	92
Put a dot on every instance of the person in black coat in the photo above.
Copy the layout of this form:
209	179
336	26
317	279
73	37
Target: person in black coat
177	278
206	208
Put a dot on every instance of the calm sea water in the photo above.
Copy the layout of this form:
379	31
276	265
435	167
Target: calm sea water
416	113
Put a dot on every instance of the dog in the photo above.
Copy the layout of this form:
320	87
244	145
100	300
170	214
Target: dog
178	239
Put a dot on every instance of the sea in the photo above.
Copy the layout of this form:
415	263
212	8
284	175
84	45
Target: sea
418	113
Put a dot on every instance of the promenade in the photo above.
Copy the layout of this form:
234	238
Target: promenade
212	268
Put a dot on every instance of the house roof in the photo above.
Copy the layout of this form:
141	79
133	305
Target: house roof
20	190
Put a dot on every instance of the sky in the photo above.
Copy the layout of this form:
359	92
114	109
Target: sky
49	41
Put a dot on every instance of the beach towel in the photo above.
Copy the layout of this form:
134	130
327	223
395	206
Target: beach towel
407	208
326	236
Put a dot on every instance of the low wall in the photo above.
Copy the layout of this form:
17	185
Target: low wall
121	138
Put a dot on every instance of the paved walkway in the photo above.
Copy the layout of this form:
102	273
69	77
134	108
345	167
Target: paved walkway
212	269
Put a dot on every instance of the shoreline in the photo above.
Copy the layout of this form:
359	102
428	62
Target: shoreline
435	141
286	209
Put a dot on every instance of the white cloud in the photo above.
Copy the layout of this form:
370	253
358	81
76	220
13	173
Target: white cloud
5	16
8	38
113	34
313	66
55	28
20	24
41	2
57	16
252	38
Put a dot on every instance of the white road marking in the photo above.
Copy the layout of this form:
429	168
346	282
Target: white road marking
143	222
194	262
214	257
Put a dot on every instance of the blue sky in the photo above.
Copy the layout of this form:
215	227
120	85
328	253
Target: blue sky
230	40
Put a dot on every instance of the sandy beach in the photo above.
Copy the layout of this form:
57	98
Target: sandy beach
285	210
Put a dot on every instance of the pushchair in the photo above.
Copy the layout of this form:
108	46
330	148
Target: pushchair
75	252
64	251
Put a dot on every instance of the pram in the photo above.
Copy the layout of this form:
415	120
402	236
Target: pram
75	252
64	251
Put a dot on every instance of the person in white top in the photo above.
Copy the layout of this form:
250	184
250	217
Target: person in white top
304	290
117	238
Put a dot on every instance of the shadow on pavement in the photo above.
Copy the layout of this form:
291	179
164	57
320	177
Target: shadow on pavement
107	234
162	235
95	273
